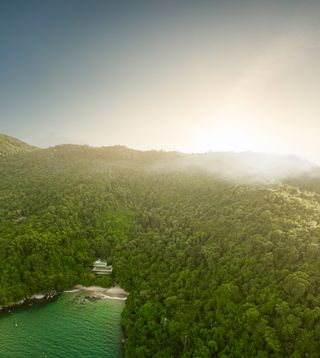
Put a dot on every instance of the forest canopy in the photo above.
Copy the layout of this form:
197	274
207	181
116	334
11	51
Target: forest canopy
215	267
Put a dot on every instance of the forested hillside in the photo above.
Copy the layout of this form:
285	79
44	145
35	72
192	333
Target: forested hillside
214	267
10	145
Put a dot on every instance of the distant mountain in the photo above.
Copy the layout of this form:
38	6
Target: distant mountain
244	166
10	145
248	165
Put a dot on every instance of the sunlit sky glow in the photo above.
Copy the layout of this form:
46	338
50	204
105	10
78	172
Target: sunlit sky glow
174	75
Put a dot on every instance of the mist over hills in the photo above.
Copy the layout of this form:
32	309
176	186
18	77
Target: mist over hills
246	166
232	266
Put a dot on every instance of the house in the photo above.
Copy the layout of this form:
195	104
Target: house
101	267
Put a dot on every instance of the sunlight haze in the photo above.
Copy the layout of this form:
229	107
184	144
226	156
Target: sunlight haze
159	178
208	76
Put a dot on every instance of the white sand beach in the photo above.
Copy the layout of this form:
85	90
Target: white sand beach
115	292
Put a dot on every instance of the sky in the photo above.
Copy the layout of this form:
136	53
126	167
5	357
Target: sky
192	76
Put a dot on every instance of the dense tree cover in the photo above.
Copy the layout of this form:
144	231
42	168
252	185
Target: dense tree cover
214	268
10	145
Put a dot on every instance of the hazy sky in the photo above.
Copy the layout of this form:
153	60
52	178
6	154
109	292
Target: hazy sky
183	75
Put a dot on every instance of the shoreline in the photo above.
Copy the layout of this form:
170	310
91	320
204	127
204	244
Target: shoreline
37	297
114	292
97	292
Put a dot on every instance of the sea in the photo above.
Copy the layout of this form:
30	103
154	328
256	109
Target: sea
69	326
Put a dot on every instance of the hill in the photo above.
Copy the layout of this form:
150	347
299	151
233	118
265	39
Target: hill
243	166
214	267
10	145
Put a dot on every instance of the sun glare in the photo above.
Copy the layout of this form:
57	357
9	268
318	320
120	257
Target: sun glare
229	134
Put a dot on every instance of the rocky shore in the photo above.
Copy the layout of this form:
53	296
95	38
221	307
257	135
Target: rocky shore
90	292
29	300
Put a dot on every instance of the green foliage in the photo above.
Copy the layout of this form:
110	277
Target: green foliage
214	268
10	145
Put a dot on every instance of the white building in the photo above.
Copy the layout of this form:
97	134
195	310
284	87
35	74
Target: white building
101	268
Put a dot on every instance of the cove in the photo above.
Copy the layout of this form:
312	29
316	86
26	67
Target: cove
69	326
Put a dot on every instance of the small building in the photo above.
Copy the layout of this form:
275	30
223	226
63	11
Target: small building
101	268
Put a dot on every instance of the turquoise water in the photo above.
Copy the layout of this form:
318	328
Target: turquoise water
67	327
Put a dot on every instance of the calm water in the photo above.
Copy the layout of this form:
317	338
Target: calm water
63	328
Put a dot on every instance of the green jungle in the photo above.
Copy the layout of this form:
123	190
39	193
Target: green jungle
215	267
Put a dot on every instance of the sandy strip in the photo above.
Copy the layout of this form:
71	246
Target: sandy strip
90	288
114	298
115	292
